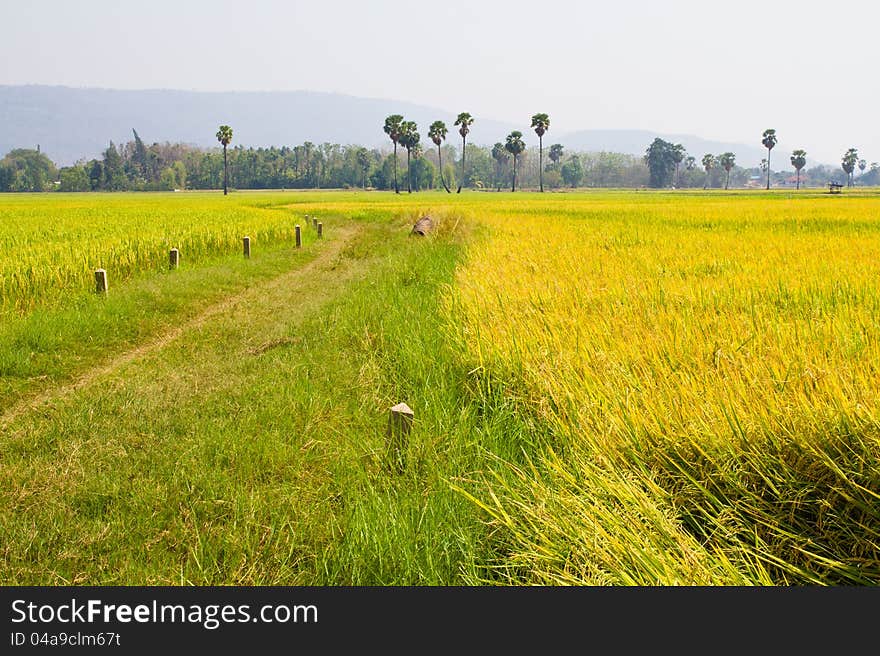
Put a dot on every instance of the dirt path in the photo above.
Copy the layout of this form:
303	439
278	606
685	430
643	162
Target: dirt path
345	235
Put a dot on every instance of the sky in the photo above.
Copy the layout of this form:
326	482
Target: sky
723	71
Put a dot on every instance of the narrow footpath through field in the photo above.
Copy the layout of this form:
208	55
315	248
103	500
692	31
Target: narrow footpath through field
243	445
291	280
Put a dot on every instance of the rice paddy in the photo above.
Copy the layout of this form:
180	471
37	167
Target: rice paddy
610	388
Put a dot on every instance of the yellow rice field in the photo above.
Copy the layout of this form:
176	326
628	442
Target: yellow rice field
723	352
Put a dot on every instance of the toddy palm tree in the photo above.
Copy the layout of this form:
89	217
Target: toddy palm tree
437	133
848	164
464	121
501	157
799	161
677	154
515	146
409	139
555	154
708	164
224	136
392	129
541	123
769	140
727	160
863	164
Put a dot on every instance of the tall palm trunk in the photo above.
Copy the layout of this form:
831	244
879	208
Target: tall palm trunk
408	174
768	169
225	173
727	182
463	151
440	160
513	188
541	162
364	184
396	187
798	179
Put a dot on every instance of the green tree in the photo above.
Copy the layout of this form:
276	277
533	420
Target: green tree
799	161
308	147
423	171
224	136
393	128
409	139
96	175
660	158
848	163
74	178
180	173
709	163
501	157
515	146
727	161
139	156
363	160
541	123
24	169
769	140
678	153
555	155
573	172
862	166
437	133
114	171
464	121
168	179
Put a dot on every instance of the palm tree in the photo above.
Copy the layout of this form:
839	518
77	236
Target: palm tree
392	129
224	136
555	155
464	121
409	139
708	164
850	158
727	160
799	161
437	133
769	140
515	146
862	166
501	156
541	123
363	160
677	154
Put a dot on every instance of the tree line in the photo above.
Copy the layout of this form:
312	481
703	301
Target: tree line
664	161
406	165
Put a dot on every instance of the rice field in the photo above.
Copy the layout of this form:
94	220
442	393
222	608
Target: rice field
53	243
611	388
711	368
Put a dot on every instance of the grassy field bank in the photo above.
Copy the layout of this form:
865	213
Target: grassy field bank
610	388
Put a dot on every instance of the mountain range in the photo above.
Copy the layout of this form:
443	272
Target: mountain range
73	123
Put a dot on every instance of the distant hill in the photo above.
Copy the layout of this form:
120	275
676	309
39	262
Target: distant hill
70	123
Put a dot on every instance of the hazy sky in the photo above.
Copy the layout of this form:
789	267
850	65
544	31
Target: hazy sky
720	70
